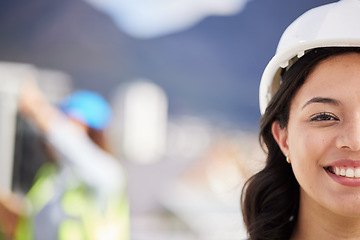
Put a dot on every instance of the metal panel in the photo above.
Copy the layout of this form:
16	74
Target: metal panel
11	75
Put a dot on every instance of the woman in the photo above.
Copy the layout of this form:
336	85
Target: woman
309	98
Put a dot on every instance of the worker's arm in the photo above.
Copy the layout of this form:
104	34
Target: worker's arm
10	211
71	143
75	149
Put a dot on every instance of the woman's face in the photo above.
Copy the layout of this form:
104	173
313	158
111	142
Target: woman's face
322	138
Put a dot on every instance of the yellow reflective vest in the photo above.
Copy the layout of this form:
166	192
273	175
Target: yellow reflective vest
77	215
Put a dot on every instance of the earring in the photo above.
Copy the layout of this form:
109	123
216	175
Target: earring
288	159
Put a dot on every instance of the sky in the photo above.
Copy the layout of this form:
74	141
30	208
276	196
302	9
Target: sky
155	18
207	55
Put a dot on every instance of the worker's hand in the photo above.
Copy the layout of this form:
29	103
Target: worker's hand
10	211
34	106
30	98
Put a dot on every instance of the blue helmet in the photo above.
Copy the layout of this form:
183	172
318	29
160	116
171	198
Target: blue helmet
87	107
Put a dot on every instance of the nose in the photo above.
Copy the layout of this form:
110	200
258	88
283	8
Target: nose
349	135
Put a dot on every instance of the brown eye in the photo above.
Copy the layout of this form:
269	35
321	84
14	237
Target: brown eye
324	117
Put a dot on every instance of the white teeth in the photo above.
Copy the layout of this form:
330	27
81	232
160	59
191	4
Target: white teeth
350	172
357	172
347	172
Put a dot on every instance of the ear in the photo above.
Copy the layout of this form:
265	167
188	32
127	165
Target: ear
281	137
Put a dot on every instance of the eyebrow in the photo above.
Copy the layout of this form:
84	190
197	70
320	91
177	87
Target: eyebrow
321	100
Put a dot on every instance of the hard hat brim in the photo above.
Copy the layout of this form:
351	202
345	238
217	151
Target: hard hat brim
270	80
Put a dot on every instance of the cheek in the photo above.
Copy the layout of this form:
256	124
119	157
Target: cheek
312	144
306	150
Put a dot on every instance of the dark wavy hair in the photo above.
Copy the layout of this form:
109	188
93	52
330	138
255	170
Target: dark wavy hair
270	198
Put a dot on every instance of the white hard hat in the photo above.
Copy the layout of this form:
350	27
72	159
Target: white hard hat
332	25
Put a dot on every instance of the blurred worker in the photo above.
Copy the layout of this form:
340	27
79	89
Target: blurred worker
81	195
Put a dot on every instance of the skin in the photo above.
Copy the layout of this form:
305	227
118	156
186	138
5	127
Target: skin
323	128
10	211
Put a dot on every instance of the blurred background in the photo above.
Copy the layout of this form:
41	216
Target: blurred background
182	77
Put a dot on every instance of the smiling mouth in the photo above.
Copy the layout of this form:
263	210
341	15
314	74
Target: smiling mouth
347	172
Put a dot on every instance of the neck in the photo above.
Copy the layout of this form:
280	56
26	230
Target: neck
316	222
